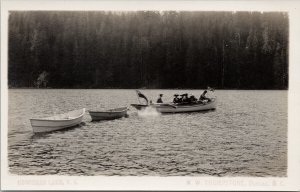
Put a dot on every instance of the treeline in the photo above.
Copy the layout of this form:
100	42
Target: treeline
230	50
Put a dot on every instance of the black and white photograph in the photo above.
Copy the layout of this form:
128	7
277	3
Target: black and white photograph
140	93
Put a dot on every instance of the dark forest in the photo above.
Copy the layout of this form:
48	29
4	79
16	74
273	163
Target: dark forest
148	49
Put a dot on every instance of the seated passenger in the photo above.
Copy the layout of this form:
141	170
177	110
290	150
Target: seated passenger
193	99
185	98
159	100
176	99
203	97
180	99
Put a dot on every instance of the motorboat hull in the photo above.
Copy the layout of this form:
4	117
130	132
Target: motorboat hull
179	108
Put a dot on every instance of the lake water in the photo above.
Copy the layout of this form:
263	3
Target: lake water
245	136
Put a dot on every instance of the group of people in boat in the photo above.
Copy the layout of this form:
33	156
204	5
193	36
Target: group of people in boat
185	98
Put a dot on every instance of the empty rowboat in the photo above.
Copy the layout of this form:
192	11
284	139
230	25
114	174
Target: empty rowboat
57	122
109	114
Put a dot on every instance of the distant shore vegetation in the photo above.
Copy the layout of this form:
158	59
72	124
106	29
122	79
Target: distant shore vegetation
148	49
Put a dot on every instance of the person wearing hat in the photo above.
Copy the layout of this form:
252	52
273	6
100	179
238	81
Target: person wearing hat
159	100
179	99
193	99
176	99
185	98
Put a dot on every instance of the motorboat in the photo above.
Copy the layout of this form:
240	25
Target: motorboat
179	107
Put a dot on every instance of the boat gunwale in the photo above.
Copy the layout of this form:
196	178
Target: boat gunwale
61	127
59	120
176	105
126	109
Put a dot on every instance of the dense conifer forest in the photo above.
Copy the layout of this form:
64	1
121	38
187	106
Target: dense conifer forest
148	49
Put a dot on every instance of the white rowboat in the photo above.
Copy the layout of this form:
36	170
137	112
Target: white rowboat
57	122
179	108
109	114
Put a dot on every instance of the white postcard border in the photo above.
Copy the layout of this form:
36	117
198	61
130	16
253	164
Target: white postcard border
291	182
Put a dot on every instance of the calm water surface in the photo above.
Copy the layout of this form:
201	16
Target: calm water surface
245	136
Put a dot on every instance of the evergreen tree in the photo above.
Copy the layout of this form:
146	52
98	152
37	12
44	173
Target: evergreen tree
170	49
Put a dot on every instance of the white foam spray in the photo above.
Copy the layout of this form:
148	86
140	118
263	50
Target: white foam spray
148	112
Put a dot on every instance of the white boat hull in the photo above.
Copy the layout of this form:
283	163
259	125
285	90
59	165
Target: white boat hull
57	122
108	115
175	108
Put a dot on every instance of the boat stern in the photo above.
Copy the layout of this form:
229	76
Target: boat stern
139	106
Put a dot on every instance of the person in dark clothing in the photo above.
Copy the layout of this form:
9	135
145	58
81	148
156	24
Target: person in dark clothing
159	100
185	98
203	97
179	100
175	100
193	99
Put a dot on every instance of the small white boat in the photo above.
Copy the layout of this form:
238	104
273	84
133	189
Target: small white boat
109	114
57	122
179	108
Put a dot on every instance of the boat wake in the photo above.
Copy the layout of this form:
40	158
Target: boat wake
148	112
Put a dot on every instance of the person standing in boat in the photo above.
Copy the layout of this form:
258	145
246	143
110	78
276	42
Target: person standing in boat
203	97
159	100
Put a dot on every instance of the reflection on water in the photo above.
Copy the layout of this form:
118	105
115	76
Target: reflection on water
245	136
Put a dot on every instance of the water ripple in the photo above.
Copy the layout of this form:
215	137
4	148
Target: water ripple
240	138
